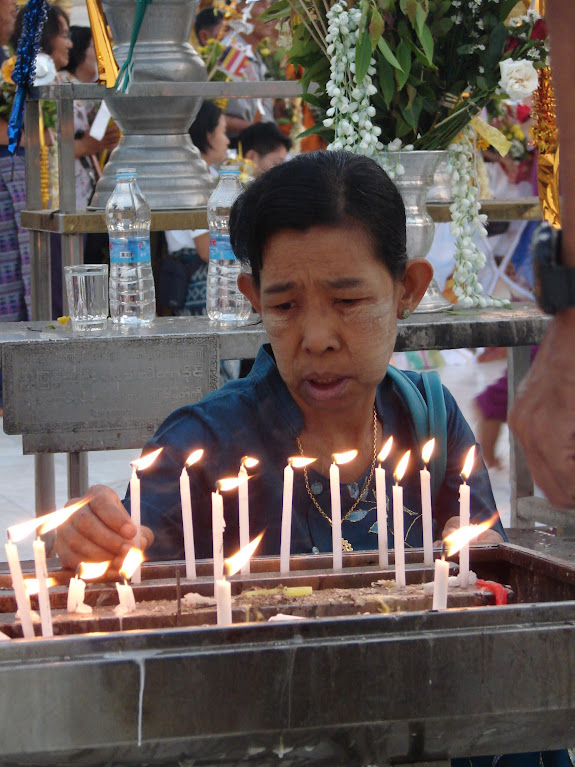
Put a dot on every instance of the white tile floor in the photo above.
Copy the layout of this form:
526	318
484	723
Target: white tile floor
462	375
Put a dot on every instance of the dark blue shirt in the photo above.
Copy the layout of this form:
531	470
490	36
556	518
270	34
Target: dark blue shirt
257	416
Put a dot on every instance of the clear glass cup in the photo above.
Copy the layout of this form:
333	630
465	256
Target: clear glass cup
87	292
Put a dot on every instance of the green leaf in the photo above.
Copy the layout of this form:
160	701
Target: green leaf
496	45
386	80
420	18
388	54
404	58
276	11
362	57
426	40
411	116
505	8
376	28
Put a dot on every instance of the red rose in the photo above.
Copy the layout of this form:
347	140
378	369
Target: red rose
511	44
539	30
523	113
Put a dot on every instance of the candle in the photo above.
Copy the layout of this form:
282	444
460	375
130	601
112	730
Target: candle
76	590
335	490
77	585
244	505
398	532
139	465
440	583
223	588
218	526
187	519
39	548
19	590
426	516
130	565
381	496
285	545
464	517
127	599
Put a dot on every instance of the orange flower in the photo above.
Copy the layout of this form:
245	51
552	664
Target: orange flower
7	69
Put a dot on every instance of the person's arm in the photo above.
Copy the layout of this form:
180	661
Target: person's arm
543	415
202	243
87	145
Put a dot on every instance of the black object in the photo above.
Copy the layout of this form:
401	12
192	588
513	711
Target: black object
554	283
173	283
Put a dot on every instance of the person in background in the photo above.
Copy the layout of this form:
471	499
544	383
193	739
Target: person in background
543	415
265	145
208	25
189	249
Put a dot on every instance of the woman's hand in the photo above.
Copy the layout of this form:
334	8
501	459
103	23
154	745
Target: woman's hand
87	145
488	536
99	531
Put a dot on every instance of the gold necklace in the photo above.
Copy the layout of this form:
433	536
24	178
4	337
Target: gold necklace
346	545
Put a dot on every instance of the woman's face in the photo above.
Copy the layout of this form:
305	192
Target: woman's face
87	71
218	143
330	309
61	45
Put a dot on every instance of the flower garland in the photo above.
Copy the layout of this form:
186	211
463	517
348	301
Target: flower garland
350	109
466	223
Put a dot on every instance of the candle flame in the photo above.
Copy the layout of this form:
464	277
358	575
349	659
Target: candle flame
340	458
401	467
89	570
385	450
234	564
146	460
427	451
249	463
229	483
459	538
468	465
299	461
194	457
45	523
132	561
32	586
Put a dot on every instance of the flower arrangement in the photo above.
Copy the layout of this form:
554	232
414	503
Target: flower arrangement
8	91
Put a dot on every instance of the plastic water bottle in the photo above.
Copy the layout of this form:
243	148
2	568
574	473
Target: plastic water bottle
224	302
128	218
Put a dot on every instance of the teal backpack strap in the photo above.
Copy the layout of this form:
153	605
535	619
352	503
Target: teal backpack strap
429	418
437	417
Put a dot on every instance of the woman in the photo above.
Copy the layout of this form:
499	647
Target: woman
189	248
324	236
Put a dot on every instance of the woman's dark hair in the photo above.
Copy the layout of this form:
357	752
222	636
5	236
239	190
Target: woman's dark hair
81	38
320	189
206	122
50	30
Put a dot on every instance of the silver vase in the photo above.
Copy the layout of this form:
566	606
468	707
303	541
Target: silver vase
414	187
155	140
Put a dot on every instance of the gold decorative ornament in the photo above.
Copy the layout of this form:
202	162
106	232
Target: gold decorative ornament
107	67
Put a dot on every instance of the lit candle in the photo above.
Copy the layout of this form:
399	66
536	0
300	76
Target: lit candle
132	562
464	516
39	548
440	584
244	505
426	517
381	496
223	588
76	590
398	532
219	524
336	542
77	586
19	590
139	465
285	545
187	519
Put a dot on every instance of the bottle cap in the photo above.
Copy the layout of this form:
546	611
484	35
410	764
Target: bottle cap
230	170
126	172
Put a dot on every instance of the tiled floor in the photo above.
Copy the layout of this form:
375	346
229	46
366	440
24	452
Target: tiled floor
462	375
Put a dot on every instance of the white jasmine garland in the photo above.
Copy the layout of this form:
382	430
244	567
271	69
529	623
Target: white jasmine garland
518	78
350	111
466	223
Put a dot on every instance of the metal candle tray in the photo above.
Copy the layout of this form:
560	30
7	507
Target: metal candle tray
359	690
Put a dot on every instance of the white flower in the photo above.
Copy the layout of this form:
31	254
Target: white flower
518	78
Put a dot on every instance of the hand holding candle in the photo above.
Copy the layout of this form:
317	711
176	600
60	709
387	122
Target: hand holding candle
426	515
398	529
139	465
187	519
381	495
244	507
335	489
285	545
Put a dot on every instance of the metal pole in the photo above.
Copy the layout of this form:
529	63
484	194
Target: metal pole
518	361
78	482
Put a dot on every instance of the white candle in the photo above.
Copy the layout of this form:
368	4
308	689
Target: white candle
380	491
223	597
126	597
244	512
398	531
335	516
440	583
19	590
285	545
135	514
187	524
76	590
39	548
426	517
218	526
464	518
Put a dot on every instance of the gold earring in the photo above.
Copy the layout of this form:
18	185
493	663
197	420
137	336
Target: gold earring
405	314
